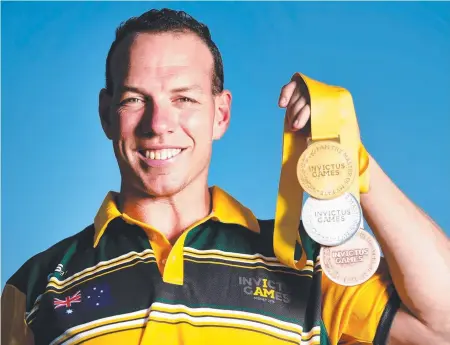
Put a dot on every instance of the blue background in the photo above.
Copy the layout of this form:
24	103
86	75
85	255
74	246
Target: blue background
57	165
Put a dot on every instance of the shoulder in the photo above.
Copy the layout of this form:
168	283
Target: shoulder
31	278
369	307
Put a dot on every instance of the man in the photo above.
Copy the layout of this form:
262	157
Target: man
169	260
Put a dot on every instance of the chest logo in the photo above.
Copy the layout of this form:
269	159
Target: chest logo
266	290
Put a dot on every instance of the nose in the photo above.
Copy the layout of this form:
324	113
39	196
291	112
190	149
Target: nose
158	119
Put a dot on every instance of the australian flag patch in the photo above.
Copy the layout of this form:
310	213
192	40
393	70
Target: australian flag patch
88	299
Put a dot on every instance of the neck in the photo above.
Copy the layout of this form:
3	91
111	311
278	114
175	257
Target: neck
170	215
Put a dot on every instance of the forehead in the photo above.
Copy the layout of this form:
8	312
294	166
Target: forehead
150	59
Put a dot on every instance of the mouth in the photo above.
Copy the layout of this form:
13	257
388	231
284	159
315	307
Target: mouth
161	155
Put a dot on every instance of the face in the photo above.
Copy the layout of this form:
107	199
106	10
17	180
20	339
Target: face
162	116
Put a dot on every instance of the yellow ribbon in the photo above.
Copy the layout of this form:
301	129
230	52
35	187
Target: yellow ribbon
332	117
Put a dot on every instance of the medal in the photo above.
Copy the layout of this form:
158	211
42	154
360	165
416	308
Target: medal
334	221
325	170
328	167
352	262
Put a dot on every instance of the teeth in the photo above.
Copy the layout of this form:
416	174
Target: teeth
161	154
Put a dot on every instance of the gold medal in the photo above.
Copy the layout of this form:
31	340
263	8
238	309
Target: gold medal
326	170
352	262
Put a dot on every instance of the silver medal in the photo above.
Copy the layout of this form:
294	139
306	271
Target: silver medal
332	222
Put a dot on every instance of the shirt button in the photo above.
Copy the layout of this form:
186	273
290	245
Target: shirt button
163	261
153	237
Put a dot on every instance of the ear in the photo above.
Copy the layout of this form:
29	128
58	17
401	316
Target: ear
104	110
222	114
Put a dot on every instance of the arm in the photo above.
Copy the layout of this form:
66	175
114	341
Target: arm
14	329
415	248
418	255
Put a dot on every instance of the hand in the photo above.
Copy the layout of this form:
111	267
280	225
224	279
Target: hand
295	98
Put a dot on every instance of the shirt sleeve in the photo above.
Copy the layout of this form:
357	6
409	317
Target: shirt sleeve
14	329
360	314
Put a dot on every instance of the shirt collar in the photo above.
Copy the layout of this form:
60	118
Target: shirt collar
225	209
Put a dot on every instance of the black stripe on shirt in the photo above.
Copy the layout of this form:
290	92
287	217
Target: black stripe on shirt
381	336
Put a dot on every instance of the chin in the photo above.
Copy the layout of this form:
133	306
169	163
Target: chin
162	189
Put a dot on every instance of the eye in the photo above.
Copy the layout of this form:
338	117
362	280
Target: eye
185	100
131	100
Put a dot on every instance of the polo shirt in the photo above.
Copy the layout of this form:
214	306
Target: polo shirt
120	281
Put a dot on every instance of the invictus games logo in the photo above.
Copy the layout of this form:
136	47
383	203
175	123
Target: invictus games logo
324	170
265	290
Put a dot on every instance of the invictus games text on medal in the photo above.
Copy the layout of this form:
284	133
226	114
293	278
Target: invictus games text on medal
322	170
332	216
349	256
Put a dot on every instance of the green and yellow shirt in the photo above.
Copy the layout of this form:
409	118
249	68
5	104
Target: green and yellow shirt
120	281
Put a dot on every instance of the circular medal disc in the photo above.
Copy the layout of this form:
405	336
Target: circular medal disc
325	170
353	262
332	222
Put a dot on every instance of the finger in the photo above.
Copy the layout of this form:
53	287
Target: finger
295	110
302	117
291	106
286	93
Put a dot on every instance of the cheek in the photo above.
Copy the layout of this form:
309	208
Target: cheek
198	124
126	125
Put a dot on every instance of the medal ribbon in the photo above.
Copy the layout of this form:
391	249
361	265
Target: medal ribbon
333	117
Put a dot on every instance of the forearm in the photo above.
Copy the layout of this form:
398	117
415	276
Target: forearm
416	249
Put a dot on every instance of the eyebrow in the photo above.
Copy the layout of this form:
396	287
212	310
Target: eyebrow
126	88
194	87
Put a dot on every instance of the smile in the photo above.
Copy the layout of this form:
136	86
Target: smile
160	154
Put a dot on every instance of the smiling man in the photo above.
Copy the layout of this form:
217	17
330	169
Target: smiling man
162	111
170	260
